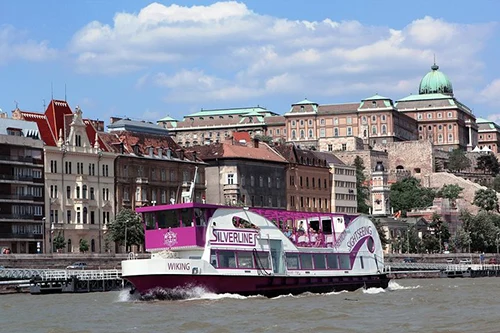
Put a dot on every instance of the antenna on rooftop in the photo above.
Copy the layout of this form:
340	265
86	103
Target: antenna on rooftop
65	92
17	104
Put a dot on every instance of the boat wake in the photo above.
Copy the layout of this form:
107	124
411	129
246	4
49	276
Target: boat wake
187	293
393	285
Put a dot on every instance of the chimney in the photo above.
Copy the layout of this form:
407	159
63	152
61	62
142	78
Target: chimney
169	153
160	152
151	151
181	154
256	143
114	119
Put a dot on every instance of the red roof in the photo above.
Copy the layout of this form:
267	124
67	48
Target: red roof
91	131
238	136
40	119
56	110
234	150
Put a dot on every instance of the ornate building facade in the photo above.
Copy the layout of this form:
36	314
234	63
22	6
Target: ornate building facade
79	177
488	135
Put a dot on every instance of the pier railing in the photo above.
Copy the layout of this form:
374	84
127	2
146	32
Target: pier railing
60	274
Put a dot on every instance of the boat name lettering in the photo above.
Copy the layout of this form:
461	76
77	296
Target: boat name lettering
358	234
179	266
228	237
340	240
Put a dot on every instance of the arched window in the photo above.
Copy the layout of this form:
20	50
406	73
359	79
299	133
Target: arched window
70	248
84	215
310	134
384	129
374	129
78	192
302	134
84	192
92	245
294	135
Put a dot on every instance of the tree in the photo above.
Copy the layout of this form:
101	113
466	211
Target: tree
84	245
450	192
458	161
460	241
381	232
496	183
127	229
441	231
363	192
483	232
59	242
486	199
408	194
488	163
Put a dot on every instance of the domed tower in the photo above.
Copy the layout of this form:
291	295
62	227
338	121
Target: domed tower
380	191
435	82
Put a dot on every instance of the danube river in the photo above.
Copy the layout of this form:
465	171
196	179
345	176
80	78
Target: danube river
427	305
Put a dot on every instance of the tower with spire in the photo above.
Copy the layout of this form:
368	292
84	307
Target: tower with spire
380	191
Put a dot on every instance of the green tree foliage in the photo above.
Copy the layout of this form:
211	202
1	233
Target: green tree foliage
486	199
460	241
84	245
363	192
458	161
481	230
59	242
441	231
496	184
264	138
127	225
450	191
488	163
408	194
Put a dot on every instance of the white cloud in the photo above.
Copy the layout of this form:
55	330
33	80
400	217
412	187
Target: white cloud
491	93
15	45
225	51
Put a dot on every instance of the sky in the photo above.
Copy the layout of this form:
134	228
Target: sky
146	60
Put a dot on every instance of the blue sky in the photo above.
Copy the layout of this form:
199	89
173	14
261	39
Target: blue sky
147	60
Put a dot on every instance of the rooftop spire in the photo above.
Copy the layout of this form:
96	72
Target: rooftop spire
434	67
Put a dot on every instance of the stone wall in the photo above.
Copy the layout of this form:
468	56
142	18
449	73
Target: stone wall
415	156
369	157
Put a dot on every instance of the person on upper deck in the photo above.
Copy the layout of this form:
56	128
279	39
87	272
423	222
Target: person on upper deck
288	232
301	227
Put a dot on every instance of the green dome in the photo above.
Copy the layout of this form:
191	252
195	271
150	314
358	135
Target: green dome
435	82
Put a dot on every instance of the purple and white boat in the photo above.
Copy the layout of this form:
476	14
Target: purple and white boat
255	251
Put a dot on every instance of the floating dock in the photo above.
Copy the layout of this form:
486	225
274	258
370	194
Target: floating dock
470	271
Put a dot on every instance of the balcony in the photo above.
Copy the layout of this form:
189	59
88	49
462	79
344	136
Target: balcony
17	217
19	159
231	189
18	197
9	235
141	180
16	178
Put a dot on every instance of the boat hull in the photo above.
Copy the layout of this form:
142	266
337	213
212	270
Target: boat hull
270	286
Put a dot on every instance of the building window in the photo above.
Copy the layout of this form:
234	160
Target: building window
335	121
85	215
384	129
450	126
53	166
78	215
310	122
92	217
310	134
419	116
261	181
440	127
383	117
77	196
67	166
230	179
344	146
439	115
349	131
294	123
53	191
301	123
294	135
302	134
450	115
364	119
252	181
336	131
330	147
440	138
92	195
429	116
374	129
450	137
68	192
68	216
322	122
269	182
322	133
374	118
349	120
84	192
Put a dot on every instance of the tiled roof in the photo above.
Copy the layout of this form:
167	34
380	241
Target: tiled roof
294	154
234	150
233	111
137	127
40	119
143	141
330	158
56	111
91	131
274	120
238	136
338	108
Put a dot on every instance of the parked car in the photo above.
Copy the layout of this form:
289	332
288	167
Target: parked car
77	265
409	260
465	262
450	261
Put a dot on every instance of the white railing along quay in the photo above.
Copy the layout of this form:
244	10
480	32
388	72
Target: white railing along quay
60	274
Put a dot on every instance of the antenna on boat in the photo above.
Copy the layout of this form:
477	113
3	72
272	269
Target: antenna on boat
187	196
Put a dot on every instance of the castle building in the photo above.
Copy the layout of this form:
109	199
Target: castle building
79	177
216	125
488	135
22	221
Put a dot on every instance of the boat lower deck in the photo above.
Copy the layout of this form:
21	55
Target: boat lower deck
270	286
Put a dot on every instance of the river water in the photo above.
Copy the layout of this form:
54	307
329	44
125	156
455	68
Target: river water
409	305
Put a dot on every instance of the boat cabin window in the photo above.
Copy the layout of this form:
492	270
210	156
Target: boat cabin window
168	219
332	261
292	261
327	226
226	259
262	260
319	261
314	224
199	217
149	219
186	217
345	261
306	261
245	260
213	258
